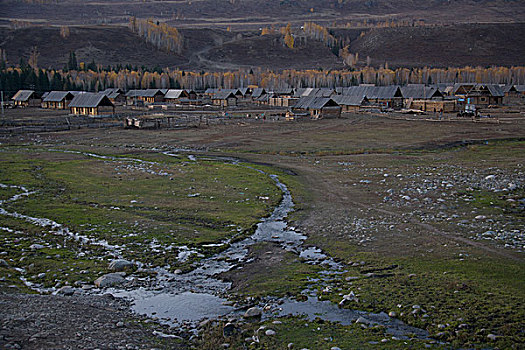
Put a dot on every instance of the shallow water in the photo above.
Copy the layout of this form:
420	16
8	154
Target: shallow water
328	311
190	297
182	307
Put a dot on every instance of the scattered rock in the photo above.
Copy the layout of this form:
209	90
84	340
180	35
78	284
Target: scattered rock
110	279
270	332
253	312
362	320
66	290
36	246
120	265
290	346
3	263
228	330
392	314
492	337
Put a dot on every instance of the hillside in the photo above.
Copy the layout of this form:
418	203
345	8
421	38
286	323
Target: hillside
203	49
254	13
214	49
446	46
268	52
105	45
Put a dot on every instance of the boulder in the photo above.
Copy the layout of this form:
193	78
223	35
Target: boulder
228	330
253	312
270	332
110	279
66	290
362	320
120	265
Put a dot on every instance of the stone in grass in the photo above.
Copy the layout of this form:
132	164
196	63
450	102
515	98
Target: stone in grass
110	279
120	265
228	330
492	336
36	246
253	312
3	263
270	332
362	320
66	290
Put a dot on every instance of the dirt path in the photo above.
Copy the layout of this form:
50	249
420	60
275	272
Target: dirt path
76	322
330	192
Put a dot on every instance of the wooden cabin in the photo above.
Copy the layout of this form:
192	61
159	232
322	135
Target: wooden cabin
175	95
381	96
427	99
26	98
115	95
485	95
57	100
224	99
351	104
91	104
192	94
282	98
152	95
420	92
210	92
318	107
514	94
434	106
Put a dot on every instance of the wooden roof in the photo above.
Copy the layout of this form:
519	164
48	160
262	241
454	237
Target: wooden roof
90	100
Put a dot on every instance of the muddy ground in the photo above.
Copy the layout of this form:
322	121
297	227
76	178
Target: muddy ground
423	215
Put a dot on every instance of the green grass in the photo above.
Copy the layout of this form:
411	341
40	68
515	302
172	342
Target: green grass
483	293
127	204
303	333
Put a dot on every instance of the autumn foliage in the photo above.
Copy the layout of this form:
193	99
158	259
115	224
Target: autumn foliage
161	35
14	78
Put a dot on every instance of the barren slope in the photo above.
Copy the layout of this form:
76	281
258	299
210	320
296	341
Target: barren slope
106	45
226	11
460	45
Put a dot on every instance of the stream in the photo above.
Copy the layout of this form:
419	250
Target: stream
186	299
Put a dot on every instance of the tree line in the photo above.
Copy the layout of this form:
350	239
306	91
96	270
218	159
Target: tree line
26	77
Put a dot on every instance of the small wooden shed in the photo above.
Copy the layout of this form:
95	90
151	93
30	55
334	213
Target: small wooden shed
26	98
318	107
224	99
57	100
351	104
91	104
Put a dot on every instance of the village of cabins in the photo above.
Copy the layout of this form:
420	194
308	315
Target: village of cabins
313	103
